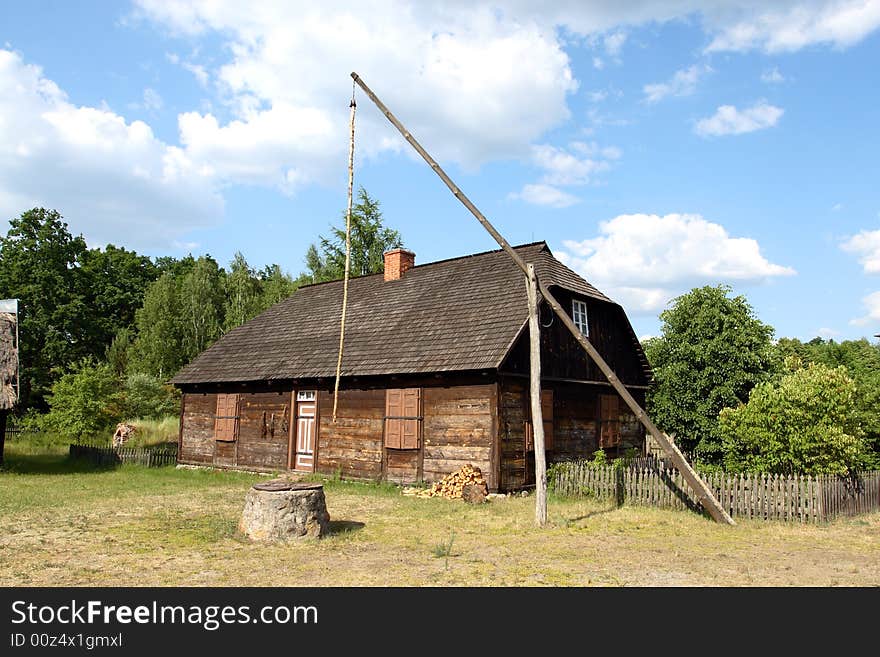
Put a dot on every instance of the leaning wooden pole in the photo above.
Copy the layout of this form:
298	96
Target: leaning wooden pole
535	393
704	495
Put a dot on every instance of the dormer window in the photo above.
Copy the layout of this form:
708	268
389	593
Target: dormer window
579	316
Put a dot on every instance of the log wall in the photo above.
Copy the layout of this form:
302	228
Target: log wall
481	424
197	428
459	428
263	431
575	427
352	447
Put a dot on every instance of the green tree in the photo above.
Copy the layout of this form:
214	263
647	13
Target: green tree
40	265
862	361
243	298
275	286
711	352
799	423
114	281
370	239
85	401
200	304
157	350
118	354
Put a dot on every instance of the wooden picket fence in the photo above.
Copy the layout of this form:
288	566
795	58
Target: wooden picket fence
105	455
14	433
798	498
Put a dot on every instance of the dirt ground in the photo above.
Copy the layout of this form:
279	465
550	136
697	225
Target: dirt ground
132	526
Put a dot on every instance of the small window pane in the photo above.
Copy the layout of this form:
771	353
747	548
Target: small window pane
306	395
579	316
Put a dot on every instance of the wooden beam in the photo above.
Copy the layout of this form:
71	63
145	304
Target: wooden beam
704	495
535	390
440	172
702	491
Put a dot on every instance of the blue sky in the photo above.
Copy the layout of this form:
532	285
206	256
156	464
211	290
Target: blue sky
655	146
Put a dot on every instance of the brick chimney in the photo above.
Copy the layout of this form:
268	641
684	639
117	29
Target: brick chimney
398	262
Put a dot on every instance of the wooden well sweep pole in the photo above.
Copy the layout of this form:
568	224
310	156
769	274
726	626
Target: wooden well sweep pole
704	495
347	259
535	390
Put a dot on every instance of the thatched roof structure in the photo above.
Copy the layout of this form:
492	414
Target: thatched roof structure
8	360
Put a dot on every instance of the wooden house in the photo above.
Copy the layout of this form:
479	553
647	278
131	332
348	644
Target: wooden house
435	375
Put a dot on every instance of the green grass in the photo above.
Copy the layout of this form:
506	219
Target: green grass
66	523
153	433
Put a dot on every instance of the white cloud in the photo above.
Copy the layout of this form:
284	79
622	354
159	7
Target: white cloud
789	26
728	120
572	166
644	260
682	83
772	76
445	71
547	195
565	168
827	333
152	99
185	246
598	64
613	43
872	305
111	179
837	207
199	71
444	68
866	245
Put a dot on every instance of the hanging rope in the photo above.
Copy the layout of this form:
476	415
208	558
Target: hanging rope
353	106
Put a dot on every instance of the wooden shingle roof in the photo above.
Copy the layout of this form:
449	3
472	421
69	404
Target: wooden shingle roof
451	315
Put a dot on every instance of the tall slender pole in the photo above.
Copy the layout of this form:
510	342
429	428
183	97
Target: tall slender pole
353	107
535	390
704	495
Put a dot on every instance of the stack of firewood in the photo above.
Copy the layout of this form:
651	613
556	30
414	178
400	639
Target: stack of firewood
452	485
123	432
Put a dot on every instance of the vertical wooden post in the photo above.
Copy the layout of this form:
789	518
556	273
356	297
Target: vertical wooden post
535	390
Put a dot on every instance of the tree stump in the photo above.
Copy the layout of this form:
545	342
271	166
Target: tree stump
283	510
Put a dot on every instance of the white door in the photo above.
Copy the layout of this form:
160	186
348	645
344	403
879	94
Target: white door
306	435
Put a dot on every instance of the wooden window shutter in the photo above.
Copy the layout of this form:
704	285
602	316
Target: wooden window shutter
412	411
403	418
609	415
226	418
393	413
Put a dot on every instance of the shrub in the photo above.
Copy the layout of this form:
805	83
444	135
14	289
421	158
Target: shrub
800	423
147	397
85	401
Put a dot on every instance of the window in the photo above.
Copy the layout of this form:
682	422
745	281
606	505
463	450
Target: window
403	418
226	418
579	316
547	417
306	395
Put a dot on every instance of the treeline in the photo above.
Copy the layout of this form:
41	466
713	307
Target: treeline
741	400
114	325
